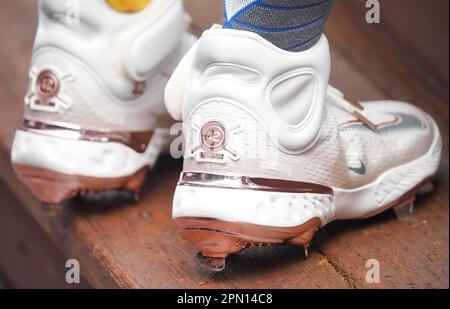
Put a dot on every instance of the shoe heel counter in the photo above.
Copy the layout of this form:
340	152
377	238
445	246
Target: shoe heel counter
224	136
102	70
284	90
64	89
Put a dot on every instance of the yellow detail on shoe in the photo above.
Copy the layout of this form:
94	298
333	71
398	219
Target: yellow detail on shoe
128	6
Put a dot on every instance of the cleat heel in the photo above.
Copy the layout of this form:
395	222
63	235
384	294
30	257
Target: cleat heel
216	239
54	188
306	247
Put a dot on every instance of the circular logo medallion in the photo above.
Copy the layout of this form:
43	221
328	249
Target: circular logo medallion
47	85
213	136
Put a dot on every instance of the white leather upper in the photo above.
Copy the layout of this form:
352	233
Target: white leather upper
250	109
121	48
250	70
112	66
231	77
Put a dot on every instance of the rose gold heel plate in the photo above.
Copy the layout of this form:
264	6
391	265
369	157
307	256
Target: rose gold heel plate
54	188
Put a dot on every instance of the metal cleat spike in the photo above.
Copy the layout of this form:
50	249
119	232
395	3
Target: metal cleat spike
427	187
404	211
306	247
211	263
136	197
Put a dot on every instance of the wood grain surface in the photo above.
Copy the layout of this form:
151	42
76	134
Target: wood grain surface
137	246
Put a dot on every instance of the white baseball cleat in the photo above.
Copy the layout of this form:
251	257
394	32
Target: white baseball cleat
94	115
273	153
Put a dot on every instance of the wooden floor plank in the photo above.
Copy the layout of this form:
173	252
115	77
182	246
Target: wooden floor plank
28	258
422	35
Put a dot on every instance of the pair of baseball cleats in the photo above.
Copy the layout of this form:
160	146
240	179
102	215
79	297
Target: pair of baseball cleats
272	153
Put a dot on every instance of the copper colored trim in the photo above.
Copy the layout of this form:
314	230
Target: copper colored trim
396	120
216	238
53	187
47	86
138	141
139	88
250	183
364	120
355	104
207	132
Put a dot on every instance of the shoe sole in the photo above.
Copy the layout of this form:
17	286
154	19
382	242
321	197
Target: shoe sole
217	239
58	163
220	221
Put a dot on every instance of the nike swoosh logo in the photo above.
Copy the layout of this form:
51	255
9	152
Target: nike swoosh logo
359	170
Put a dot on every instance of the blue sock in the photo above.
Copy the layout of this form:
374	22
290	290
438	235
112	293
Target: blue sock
292	25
